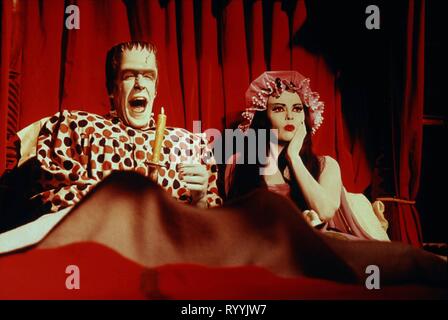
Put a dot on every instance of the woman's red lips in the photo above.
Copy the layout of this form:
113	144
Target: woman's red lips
289	127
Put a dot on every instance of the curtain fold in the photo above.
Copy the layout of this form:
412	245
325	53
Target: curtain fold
103	23
409	132
5	51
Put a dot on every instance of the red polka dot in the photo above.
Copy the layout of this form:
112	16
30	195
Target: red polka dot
121	153
107	133
140	155
94	148
181	191
124	139
214	190
171	173
57	143
139	140
141	170
183	145
90	130
107	165
168	143
162	172
84	160
108	149
90	118
56	200
63	128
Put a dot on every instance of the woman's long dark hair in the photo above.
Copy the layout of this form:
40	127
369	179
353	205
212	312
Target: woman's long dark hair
246	177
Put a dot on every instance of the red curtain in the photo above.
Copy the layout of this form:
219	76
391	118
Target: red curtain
409	132
5	50
208	51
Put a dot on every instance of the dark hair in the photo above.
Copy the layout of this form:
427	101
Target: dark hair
113	59
246	177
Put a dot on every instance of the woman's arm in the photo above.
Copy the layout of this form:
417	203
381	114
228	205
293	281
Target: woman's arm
322	196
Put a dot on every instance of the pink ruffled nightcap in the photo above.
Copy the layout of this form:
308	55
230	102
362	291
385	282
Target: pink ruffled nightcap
273	83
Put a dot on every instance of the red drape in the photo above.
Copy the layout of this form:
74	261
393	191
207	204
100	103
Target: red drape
5	49
208	51
409	133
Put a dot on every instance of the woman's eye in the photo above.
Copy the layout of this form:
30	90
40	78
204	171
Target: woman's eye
297	109
277	109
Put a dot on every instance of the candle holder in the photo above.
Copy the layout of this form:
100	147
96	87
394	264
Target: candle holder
153	169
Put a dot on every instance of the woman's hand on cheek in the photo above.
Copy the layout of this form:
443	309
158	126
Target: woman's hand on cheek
295	145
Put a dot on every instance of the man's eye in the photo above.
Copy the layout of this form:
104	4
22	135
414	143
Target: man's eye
148	76
128	76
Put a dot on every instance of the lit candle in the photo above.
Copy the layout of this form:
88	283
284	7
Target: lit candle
160	128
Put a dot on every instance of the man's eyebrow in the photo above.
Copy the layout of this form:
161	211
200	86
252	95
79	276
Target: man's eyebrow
139	70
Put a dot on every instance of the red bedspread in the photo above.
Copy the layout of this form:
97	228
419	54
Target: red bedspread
130	240
104	274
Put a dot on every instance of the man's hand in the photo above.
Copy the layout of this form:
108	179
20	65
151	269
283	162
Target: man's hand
195	178
295	145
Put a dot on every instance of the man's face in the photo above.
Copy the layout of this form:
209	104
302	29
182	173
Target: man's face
135	87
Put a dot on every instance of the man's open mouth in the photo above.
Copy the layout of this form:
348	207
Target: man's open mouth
138	104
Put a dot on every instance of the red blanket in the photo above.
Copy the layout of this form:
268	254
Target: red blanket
129	240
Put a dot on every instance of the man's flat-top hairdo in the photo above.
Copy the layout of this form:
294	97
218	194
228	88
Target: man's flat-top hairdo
114	55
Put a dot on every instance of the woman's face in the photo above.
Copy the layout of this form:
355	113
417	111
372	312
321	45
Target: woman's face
286	114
